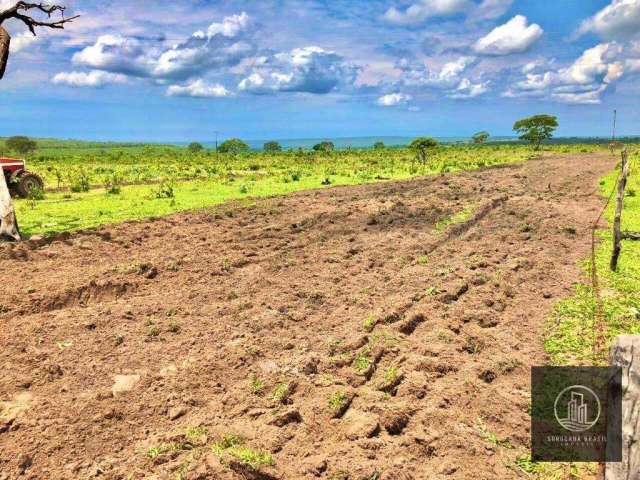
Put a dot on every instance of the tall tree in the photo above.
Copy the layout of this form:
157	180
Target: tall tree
536	129
21	11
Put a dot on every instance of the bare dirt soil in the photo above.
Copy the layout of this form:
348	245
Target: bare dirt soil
349	333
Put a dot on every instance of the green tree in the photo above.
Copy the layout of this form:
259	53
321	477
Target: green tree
325	146
21	144
422	146
480	137
536	129
378	146
233	145
272	147
195	147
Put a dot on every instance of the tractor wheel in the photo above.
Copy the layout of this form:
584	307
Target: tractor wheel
27	182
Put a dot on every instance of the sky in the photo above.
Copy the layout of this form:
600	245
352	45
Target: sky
171	70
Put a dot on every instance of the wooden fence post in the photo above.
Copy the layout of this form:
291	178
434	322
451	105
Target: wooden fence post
617	234
8	223
625	353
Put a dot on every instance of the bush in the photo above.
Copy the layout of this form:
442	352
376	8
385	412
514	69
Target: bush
164	190
421	146
195	147
325	146
21	144
233	145
79	181
272	147
379	146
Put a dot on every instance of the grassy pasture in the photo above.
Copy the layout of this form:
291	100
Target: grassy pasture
90	184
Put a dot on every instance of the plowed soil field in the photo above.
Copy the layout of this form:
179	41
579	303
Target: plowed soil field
372	332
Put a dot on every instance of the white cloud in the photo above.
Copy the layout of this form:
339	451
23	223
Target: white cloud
584	81
419	12
490	9
424	9
620	19
116	53
308	69
448	76
393	99
223	44
198	89
467	89
515	36
93	79
22	41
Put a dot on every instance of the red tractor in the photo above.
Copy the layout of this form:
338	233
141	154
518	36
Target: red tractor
19	180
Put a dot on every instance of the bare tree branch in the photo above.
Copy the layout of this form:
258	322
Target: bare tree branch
30	22
17	12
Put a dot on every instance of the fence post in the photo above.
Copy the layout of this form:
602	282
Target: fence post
625	353
617	234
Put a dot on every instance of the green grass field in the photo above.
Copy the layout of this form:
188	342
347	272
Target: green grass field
88	185
569	339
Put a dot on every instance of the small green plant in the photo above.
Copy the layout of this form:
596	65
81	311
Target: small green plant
233	445
164	190
337	400
35	194
424	260
153	452
390	375
154	331
196	434
370	323
281	392
256	385
363	360
244	188
174	327
113	184
79	181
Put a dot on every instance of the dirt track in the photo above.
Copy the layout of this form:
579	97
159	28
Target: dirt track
200	305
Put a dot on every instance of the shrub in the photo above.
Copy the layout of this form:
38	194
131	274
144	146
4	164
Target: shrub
272	147
421	146
233	145
325	146
21	144
195	147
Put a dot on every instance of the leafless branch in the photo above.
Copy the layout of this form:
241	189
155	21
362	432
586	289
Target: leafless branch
17	12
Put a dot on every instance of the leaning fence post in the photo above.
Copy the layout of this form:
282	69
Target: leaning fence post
617	233
625	353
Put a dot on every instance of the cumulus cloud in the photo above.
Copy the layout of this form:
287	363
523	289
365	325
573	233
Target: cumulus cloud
309	69
583	81
490	9
620	19
419	12
222	44
393	99
93	79
448	76
198	89
515	36
424	9
467	89
22	41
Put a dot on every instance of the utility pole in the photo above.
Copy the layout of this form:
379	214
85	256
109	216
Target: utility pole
613	134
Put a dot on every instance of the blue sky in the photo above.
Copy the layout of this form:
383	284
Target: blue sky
168	70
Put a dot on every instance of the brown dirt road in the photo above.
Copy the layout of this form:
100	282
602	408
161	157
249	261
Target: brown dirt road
249	320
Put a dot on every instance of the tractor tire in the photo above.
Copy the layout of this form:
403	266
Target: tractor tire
26	182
